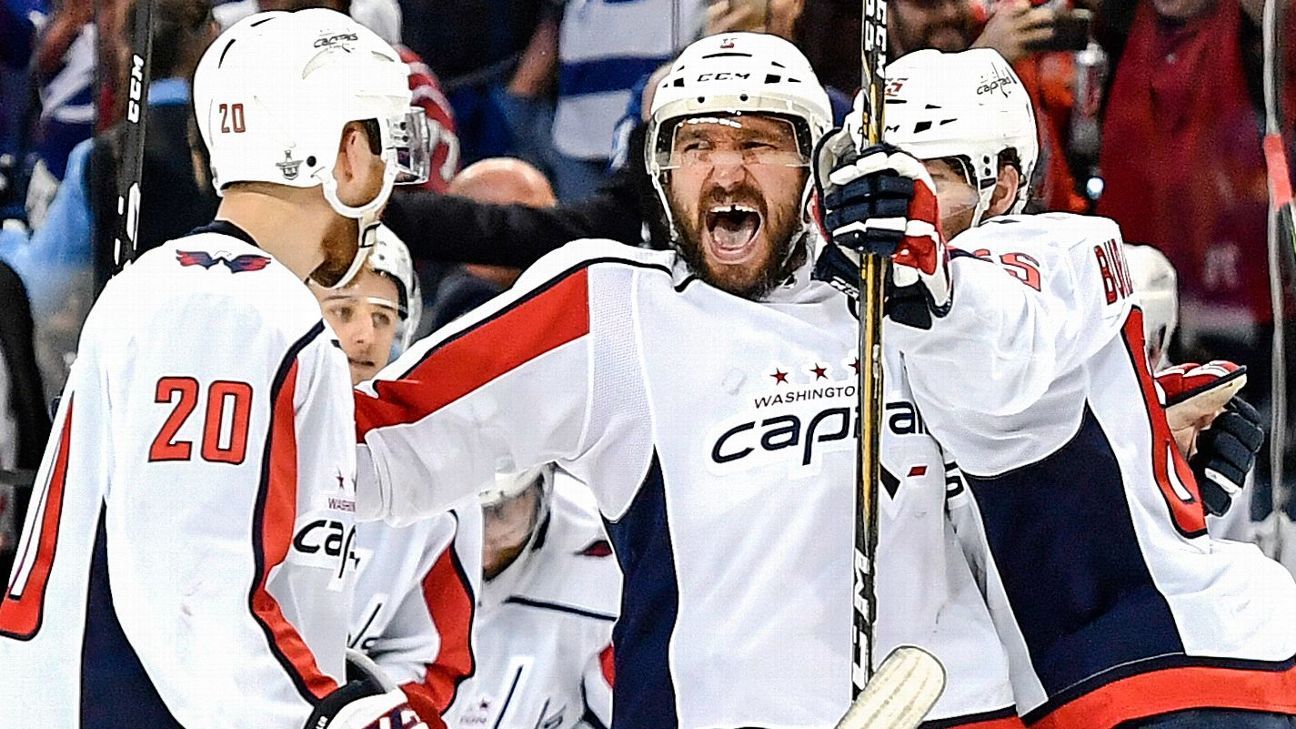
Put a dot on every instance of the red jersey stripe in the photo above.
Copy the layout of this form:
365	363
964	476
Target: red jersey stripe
1188	516
529	328
451	605
607	662
1176	689
21	610
277	514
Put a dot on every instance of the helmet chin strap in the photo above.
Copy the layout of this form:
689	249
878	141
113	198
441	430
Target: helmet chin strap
367	216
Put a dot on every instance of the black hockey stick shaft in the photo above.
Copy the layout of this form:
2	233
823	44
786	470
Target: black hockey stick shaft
873	274
130	167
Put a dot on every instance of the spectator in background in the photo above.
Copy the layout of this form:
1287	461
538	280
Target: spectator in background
176	197
65	67
495	63
59	262
1184	171
604	48
498	181
24	417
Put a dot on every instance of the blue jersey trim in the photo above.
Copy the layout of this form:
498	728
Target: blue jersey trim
557	607
116	691
1064	543
641	539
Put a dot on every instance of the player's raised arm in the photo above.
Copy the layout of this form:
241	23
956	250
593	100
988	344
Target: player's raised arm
438	423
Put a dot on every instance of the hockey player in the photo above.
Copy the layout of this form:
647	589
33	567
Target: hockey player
1024	347
544	620
707	394
415	585
186	561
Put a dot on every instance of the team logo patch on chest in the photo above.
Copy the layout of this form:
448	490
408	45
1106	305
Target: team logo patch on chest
793	414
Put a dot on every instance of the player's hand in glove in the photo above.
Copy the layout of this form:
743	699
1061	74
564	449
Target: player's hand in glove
1218	431
369	700
882	201
1226	451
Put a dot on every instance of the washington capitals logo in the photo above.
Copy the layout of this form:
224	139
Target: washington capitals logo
237	264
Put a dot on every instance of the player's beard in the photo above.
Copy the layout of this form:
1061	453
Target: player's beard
778	227
340	245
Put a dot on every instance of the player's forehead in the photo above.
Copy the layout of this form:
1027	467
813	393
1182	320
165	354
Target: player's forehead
766	127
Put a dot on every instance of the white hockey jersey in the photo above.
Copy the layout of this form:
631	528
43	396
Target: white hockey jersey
544	627
186	558
718	437
415	602
1109	596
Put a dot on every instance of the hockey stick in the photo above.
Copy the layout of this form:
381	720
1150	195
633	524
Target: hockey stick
872	276
130	167
900	694
1282	214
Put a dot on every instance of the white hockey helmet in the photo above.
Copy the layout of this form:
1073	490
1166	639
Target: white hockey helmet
511	485
391	258
1157	286
969	106
273	93
737	73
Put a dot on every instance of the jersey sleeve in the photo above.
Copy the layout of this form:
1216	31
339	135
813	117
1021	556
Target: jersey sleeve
212	451
1021	317
532	377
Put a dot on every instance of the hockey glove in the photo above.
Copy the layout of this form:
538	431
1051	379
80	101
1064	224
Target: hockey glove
369	701
1226	451
881	201
1218	431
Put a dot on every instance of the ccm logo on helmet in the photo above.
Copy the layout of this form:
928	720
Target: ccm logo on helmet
723	76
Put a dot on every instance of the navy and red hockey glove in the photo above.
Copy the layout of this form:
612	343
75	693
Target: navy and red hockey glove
881	201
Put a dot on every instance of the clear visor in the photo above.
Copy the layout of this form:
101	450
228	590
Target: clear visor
732	139
362	304
956	190
408	144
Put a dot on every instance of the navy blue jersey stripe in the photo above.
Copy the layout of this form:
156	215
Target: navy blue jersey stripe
1009	712
116	691
557	607
1063	541
641	539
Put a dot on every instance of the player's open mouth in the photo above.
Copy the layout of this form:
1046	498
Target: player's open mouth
360	362
732	229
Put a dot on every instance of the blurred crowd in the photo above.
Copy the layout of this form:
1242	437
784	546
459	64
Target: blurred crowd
1151	112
